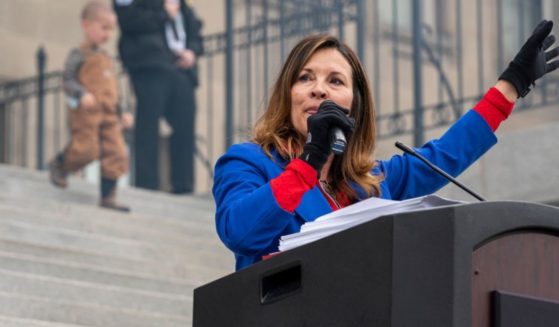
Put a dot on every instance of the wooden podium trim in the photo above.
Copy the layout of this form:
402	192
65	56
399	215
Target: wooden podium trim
523	262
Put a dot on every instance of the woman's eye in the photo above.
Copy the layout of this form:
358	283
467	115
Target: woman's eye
304	77
337	81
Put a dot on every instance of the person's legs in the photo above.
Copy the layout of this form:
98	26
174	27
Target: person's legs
150	88
58	176
108	196
83	147
181	115
114	160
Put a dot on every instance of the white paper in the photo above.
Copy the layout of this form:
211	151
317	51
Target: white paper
357	214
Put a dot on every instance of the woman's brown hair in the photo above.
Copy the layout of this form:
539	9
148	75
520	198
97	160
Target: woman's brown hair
274	129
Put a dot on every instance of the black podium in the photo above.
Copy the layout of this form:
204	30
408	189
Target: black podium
483	264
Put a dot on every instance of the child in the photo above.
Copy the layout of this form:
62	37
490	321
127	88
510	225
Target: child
90	83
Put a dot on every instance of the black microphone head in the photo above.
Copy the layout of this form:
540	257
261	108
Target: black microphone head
337	138
337	141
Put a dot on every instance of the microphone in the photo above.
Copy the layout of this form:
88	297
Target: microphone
335	134
412	152
337	140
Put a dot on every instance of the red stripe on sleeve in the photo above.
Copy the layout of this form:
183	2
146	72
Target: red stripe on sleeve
494	108
290	186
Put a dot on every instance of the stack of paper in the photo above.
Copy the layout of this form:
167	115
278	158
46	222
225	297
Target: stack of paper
356	214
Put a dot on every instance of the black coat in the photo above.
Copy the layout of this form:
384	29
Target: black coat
142	41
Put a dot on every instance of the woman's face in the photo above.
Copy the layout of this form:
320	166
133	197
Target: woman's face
327	75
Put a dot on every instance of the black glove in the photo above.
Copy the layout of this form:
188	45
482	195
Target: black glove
531	61
317	148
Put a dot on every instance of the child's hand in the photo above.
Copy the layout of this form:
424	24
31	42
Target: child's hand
88	100
127	120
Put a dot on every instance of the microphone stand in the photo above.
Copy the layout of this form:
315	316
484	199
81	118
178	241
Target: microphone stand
412	152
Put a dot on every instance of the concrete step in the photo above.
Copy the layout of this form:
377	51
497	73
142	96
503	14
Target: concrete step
18	263
100	244
61	311
65	262
188	220
93	294
176	206
119	227
20	322
164	269
21	182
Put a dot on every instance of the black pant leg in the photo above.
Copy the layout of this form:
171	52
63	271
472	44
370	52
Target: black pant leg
181	115
151	91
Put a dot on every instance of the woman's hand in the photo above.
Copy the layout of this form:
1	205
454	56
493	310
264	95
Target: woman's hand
507	89
531	62
317	148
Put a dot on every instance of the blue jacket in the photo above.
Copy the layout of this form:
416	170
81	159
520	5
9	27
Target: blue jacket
250	222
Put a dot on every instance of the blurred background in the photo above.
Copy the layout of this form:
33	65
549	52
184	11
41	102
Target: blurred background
428	62
65	262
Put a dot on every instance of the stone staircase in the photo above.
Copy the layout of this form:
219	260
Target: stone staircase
66	262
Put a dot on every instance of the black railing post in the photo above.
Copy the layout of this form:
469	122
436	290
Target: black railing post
361	21
41	67
417	75
265	40
229	52
340	12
